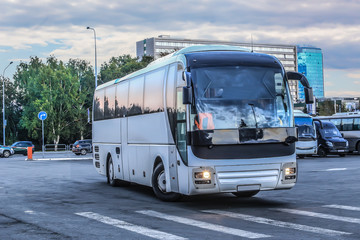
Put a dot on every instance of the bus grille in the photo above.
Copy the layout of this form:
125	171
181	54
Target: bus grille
340	144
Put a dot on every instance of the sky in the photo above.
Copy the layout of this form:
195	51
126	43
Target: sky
51	27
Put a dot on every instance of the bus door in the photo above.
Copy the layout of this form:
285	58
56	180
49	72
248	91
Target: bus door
124	165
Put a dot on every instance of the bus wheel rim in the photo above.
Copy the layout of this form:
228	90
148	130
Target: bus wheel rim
161	181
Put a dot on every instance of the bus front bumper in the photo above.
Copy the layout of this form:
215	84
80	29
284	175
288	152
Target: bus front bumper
227	179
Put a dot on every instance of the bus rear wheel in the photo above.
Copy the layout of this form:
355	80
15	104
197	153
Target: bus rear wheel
159	185
110	174
246	194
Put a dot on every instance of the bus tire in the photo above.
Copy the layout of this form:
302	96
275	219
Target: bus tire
110	174
321	152
159	185
246	194
358	148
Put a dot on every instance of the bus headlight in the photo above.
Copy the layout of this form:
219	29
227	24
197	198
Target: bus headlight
347	143
289	173
202	175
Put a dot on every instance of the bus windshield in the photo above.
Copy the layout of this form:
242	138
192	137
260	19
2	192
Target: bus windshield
305	127
241	97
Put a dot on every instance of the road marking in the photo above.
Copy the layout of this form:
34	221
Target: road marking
320	215
204	225
277	223
29	212
336	169
343	207
60	159
130	227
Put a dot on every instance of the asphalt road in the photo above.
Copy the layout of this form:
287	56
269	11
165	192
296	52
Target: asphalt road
67	199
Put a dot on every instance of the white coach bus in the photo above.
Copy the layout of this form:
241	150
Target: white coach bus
202	120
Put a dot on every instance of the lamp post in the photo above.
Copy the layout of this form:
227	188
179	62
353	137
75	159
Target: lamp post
3	110
95	56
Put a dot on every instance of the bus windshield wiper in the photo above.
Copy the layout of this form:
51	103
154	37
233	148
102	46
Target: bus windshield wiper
253	110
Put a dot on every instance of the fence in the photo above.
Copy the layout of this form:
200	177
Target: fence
57	147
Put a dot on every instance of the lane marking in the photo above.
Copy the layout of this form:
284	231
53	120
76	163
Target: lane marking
320	215
59	159
130	227
343	207
204	225
336	169
277	223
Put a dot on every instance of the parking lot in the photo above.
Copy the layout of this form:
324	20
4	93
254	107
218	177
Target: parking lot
60	196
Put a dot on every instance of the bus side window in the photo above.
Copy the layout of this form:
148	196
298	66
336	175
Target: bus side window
99	105
356	123
347	124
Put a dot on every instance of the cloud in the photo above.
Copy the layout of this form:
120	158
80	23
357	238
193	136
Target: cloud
355	75
342	93
357	82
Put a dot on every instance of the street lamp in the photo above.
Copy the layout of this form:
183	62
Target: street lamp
3	110
95	56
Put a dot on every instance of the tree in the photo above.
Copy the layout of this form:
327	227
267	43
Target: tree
63	91
118	67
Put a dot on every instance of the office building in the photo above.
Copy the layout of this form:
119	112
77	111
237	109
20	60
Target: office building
310	63
158	46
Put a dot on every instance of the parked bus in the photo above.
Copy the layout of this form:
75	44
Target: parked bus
349	125
202	120
307	140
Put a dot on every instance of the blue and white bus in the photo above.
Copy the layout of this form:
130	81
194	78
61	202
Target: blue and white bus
307	139
202	120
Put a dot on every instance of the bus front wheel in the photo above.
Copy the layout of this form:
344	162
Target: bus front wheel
159	185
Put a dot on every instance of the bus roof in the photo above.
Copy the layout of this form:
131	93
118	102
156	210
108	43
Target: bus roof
177	56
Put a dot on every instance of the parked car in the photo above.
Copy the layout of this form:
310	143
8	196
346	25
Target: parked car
330	140
6	151
21	147
82	147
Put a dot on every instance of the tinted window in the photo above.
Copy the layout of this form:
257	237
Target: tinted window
109	103
347	124
121	100
170	97
99	105
153	96
357	124
336	122
136	96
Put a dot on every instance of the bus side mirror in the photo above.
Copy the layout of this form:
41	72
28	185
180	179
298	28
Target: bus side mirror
309	96
187	95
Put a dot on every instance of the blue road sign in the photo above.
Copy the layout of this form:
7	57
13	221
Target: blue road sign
42	115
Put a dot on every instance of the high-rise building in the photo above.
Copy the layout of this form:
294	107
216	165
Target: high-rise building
310	63
157	46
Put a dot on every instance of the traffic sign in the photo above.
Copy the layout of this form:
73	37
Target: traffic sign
42	115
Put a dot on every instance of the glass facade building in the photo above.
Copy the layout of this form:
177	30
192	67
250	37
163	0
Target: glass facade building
163	44
310	63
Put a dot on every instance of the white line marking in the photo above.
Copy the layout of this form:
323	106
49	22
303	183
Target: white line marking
204	225
336	169
320	215
343	207
29	212
60	159
277	223
130	227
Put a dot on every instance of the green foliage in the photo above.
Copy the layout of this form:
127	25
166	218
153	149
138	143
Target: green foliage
121	66
64	91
